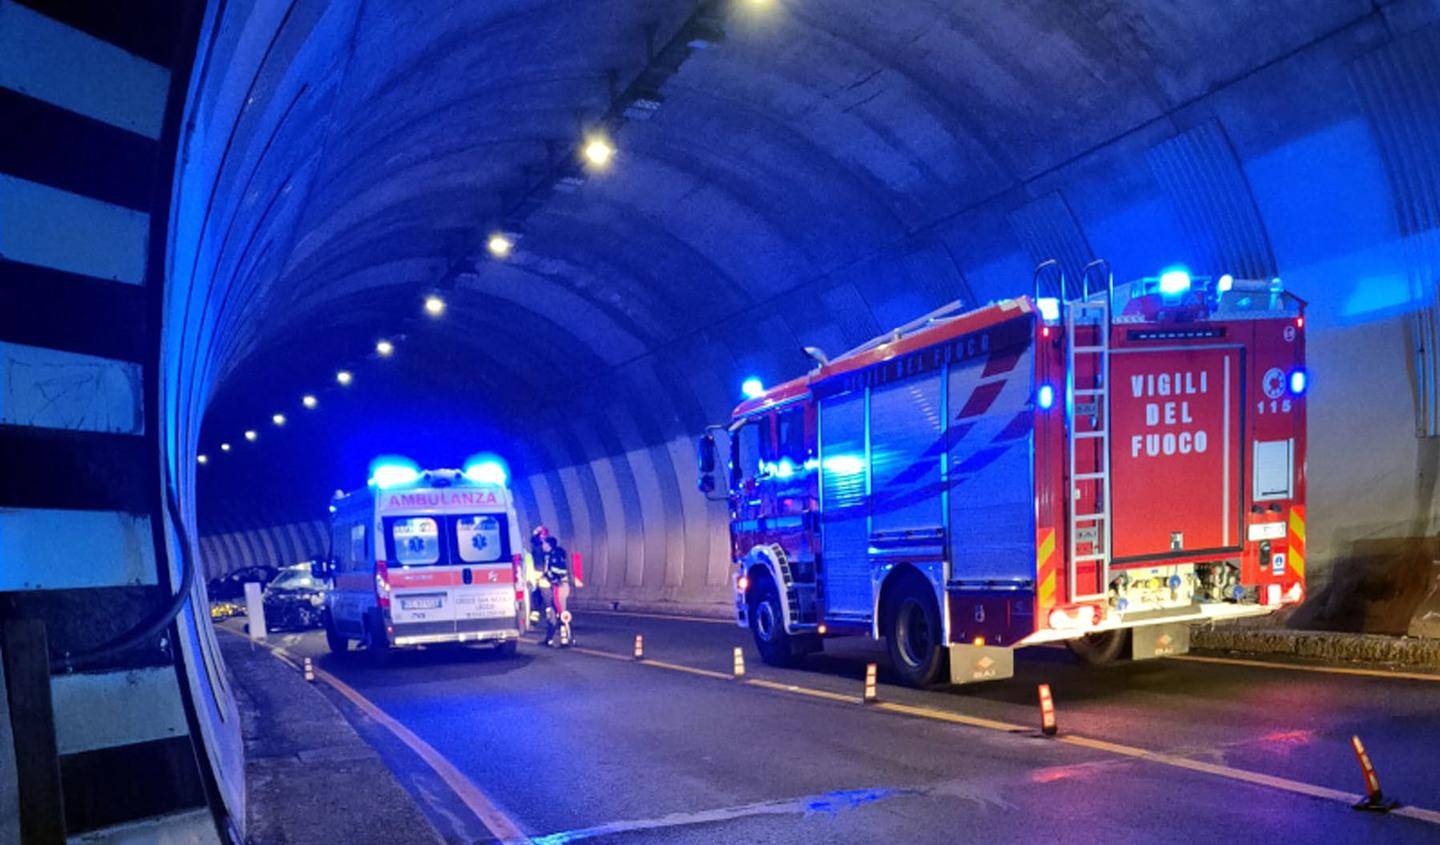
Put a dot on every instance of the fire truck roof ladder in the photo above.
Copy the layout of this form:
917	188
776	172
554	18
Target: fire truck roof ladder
1087	345
945	312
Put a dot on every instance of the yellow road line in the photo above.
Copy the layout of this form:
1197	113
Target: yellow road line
494	819
1300	667
1159	757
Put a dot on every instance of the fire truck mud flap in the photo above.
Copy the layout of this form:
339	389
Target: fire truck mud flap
1151	641
970	664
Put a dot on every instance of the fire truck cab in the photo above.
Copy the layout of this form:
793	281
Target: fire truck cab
1103	471
426	557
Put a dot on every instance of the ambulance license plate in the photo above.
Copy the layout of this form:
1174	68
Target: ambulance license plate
419	604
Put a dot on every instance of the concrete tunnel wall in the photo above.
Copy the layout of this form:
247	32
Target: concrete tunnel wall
847	182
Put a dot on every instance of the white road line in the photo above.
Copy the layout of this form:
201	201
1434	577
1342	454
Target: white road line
829	802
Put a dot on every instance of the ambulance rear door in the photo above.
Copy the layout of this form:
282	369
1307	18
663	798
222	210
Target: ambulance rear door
484	598
420	576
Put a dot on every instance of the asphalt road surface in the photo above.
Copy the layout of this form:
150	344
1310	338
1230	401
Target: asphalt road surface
575	746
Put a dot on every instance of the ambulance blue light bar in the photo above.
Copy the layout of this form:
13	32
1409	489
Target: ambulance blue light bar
389	473
486	472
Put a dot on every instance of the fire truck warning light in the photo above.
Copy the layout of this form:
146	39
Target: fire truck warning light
752	388
1046	396
1174	282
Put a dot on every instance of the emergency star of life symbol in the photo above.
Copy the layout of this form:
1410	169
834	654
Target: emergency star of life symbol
492	576
1274	382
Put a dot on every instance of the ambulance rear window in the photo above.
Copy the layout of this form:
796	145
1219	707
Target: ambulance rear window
480	538
416	539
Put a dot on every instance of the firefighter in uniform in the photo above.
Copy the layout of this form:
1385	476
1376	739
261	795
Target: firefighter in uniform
556	569
537	565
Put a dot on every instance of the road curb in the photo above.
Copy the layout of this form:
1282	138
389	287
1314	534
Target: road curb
663	608
1324	645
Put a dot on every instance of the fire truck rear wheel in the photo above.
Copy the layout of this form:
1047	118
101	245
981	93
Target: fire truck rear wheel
1099	649
767	623
912	634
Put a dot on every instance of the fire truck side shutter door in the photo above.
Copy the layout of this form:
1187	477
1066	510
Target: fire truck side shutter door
844	492
991	483
905	451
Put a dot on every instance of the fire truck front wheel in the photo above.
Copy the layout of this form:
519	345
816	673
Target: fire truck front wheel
767	623
912	634
1099	649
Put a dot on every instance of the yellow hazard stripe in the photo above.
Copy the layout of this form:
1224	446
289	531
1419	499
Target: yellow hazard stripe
1047	589
1047	547
1297	523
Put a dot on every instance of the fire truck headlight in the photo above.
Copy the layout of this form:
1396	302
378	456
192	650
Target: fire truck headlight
1045	396
1297	382
742	583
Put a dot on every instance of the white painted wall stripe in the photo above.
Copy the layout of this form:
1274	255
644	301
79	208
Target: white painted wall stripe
64	550
64	231
47	388
49	61
117	708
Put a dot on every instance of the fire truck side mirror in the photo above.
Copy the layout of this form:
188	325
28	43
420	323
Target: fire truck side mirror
705	454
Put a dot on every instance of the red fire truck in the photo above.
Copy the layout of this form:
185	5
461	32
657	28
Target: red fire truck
1103	471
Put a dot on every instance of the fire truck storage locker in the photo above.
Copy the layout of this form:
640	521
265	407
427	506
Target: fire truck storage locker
926	461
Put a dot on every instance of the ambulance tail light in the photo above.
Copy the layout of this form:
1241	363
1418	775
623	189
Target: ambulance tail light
382	584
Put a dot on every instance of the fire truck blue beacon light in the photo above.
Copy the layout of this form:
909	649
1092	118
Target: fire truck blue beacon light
752	387
1225	283
1175	281
1045	396
1297	381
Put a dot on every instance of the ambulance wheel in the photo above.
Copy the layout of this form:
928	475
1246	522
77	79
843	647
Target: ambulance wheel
377	645
912	634
338	643
507	648
767	623
1100	648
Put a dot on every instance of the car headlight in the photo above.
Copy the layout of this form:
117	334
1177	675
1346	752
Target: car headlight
317	599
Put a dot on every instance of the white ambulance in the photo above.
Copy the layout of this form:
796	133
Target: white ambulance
426	557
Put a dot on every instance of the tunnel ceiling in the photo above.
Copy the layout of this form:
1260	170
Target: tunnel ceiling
800	151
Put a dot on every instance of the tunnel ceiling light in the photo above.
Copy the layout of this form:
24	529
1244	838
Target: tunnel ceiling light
598	151
434	305
278	419
385	348
752	387
309	401
202	459
224	447
252	435
344	377
500	245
